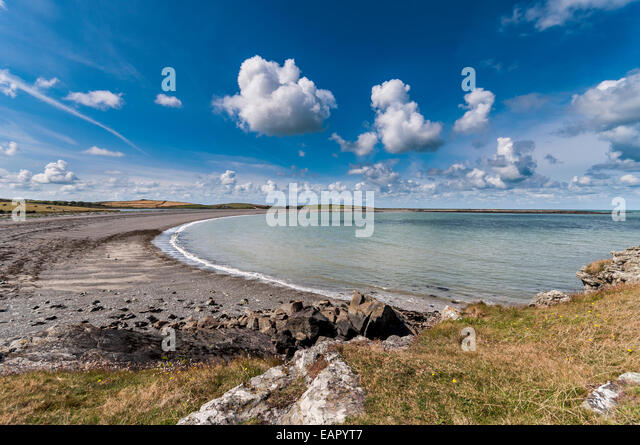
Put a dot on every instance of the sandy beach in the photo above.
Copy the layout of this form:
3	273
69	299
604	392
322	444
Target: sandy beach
67	270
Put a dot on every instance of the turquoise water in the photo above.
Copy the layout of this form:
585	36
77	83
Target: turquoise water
495	257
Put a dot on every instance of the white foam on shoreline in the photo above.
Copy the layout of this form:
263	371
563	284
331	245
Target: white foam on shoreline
167	241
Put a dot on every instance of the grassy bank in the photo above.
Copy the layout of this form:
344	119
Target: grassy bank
49	208
531	365
124	397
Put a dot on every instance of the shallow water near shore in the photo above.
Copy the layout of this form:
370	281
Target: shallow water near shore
500	258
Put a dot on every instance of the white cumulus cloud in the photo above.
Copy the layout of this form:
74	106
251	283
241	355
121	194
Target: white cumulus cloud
168	101
9	149
361	147
97	151
274	99
55	173
479	103
398	122
45	84
228	178
100	99
630	180
269	186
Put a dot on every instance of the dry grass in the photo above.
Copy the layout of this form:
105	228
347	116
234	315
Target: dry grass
597	266
7	207
124	397
284	397
532	366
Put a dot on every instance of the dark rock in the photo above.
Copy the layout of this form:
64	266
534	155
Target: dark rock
374	319
306	325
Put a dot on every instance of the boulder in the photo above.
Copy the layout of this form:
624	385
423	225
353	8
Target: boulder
330	394
549	298
374	319
307	324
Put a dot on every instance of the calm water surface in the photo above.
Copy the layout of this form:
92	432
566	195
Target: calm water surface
495	257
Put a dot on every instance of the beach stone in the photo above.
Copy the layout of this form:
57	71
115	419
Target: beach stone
307	325
374	319
293	307
344	328
623	268
549	298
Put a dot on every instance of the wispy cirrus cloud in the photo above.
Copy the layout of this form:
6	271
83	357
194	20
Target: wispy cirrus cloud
549	13
10	84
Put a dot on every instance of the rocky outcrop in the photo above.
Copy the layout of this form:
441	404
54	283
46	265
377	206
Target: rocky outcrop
605	398
332	393
85	346
294	326
624	267
281	331
549	298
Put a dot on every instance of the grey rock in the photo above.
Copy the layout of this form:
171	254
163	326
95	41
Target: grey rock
549	298
603	399
630	378
623	268
331	395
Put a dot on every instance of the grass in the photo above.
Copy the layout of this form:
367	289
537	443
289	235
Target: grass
531	366
597	266
7	207
118	397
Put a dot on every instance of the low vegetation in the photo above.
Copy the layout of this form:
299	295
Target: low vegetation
531	366
597	266
158	396
44	207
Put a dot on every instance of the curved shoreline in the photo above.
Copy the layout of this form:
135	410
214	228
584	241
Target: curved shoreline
179	253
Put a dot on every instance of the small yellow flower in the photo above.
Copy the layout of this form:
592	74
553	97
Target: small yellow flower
629	350
454	381
591	339
99	380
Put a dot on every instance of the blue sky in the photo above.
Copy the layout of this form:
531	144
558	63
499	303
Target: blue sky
333	95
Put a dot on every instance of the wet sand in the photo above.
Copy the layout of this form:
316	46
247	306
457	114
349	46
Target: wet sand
104	269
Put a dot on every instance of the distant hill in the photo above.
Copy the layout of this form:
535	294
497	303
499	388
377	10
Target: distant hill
153	204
